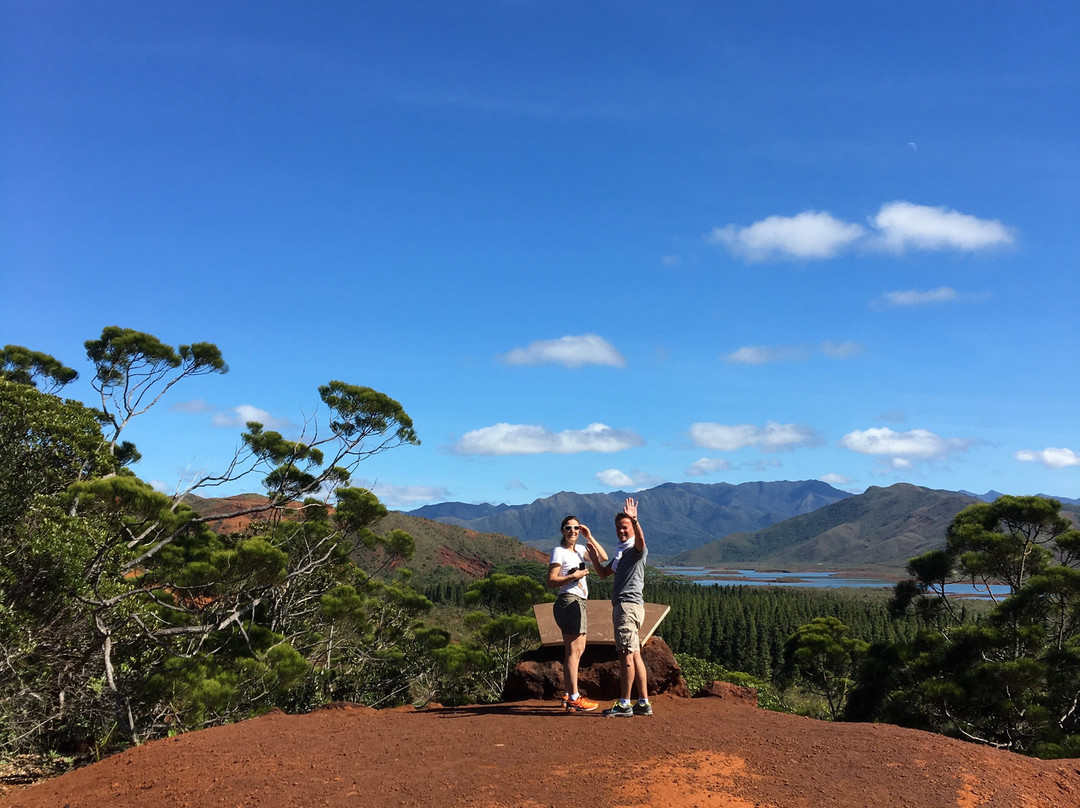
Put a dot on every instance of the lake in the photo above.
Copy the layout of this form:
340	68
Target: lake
707	576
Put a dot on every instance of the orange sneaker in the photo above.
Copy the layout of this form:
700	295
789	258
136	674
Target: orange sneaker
581	705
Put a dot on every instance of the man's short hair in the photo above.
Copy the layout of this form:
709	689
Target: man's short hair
623	515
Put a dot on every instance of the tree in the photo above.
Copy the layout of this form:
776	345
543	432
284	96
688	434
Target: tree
23	366
1012	679
503	628
823	655
122	614
46	444
133	370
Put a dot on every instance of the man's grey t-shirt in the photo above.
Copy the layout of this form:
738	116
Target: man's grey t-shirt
629	583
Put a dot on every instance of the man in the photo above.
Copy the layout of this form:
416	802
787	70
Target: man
627	609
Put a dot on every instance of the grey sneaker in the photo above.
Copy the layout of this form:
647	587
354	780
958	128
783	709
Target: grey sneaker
642	709
618	711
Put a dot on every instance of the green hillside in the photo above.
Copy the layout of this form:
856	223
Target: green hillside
447	552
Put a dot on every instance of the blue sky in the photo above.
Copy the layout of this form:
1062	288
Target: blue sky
588	246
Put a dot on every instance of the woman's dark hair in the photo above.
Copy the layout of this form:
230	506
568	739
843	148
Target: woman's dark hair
567	519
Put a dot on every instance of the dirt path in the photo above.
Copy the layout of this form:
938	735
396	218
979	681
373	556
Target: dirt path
692	752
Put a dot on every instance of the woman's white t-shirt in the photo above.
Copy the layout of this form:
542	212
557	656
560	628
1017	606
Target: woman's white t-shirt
568	561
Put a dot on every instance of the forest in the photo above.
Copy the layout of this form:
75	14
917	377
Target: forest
124	617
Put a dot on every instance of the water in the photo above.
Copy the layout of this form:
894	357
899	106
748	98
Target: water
707	576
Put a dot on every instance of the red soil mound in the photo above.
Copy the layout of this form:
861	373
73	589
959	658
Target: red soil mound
708	752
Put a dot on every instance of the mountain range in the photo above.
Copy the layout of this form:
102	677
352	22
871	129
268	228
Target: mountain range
761	524
764	525
879	529
676	516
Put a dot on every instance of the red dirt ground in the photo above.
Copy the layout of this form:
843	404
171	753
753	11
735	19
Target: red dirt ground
692	752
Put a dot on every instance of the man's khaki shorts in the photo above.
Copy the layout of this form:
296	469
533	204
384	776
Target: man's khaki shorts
627	619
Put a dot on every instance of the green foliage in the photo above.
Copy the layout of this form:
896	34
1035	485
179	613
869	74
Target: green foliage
501	631
1011	679
360	412
133	370
502	594
745	628
824	656
700	672
535	570
356	509
123	617
46	444
23	366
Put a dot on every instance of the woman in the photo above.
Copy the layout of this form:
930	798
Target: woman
568	572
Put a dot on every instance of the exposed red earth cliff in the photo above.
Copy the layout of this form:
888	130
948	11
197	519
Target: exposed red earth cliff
719	752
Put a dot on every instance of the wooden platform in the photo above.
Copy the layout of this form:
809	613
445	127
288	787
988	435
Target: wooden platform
598	612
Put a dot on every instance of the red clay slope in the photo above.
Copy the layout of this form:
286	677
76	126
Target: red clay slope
692	752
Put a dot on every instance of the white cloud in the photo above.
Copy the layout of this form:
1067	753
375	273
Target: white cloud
903	225
762	354
838	480
918	297
707	465
897	227
904	447
400	496
239	416
636	480
613	478
1051	458
524	439
772	437
195	406
808	235
573	352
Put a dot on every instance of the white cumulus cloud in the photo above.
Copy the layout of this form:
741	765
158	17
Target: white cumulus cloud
1051	458
525	439
903	225
239	416
896	227
902	447
810	234
613	478
573	352
772	437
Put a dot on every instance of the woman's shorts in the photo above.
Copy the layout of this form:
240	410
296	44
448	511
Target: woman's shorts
627	619
569	613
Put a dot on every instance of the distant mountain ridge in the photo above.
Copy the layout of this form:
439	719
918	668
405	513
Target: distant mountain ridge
991	495
676	516
880	528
